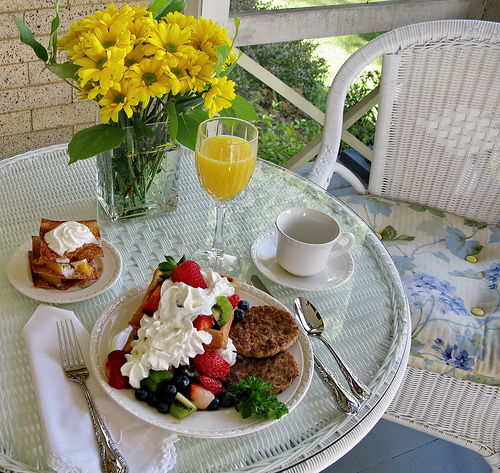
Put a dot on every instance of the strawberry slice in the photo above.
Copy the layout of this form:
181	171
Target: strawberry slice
153	302
234	299
211	364
203	322
214	385
189	272
201	396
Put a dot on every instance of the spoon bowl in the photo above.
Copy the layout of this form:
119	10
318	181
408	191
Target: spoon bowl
312	322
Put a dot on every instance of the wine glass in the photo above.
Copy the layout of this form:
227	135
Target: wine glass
226	152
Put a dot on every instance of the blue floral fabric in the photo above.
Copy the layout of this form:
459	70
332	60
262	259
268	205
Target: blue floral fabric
450	267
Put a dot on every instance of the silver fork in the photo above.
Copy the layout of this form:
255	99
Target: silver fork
75	370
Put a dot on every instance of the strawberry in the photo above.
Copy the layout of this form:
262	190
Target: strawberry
117	355
201	396
118	381
211	364
116	359
203	322
234	299
151	305
214	385
189	272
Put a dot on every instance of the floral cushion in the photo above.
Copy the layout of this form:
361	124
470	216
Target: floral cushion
450	268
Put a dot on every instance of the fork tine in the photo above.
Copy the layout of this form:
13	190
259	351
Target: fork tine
62	347
76	346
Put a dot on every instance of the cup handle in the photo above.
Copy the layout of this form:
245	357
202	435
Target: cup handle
339	251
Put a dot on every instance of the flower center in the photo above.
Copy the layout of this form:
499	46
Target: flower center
100	63
170	47
120	98
177	73
108	44
149	78
130	62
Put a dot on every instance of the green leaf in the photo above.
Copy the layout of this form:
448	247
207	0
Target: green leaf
94	140
240	108
161	8
53	35
184	104
173	120
222	51
141	129
27	38
64	71
188	127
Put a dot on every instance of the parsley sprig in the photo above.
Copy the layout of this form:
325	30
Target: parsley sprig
253	396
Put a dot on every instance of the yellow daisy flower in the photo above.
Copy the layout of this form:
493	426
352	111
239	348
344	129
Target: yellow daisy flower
149	79
116	100
168	40
180	19
219	94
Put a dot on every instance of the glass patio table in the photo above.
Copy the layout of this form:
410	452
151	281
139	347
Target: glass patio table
366	317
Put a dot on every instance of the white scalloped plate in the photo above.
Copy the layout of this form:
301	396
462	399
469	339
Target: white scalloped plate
19	274
219	423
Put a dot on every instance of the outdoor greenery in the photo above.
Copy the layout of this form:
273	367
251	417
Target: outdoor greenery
284	129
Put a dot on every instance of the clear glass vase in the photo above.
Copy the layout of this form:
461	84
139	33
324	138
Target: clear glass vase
139	177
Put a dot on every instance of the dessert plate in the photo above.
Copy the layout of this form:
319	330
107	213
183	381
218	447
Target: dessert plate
18	271
220	423
263	253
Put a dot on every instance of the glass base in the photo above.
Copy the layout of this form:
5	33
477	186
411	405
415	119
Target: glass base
225	264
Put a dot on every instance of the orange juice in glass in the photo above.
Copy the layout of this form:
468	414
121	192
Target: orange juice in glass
226	152
225	165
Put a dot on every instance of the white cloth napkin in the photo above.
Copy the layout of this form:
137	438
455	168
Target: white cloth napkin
68	431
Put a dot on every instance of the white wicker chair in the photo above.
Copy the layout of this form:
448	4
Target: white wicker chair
437	145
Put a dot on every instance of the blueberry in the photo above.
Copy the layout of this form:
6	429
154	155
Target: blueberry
168	391
214	405
141	394
243	304
153	399
239	315
226	399
163	407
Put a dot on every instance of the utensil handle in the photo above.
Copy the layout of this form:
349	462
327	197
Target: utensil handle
345	401
359	389
111	459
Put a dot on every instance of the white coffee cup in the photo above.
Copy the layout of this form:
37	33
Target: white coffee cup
307	240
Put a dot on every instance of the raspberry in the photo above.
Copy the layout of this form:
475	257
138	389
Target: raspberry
189	272
214	385
234	299
117	355
211	364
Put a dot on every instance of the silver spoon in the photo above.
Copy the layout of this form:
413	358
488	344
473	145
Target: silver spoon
313	324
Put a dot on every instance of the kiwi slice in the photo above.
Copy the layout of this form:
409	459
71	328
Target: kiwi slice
222	310
181	406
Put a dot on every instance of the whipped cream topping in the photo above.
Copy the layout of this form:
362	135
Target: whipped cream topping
167	338
68	236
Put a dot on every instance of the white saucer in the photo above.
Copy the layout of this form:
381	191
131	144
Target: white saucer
19	274
263	253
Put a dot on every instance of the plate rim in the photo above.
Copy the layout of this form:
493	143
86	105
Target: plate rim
110	314
61	297
267	235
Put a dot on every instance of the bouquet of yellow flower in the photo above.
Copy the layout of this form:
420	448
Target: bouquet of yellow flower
144	66
156	74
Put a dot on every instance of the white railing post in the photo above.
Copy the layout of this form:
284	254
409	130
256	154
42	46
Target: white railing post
216	10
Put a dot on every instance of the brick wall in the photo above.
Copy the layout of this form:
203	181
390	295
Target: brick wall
37	108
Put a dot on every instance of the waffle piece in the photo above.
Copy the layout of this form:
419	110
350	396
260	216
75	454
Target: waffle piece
264	332
280	370
86	251
219	336
82	270
49	282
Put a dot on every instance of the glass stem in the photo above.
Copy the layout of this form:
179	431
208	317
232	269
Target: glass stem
220	213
